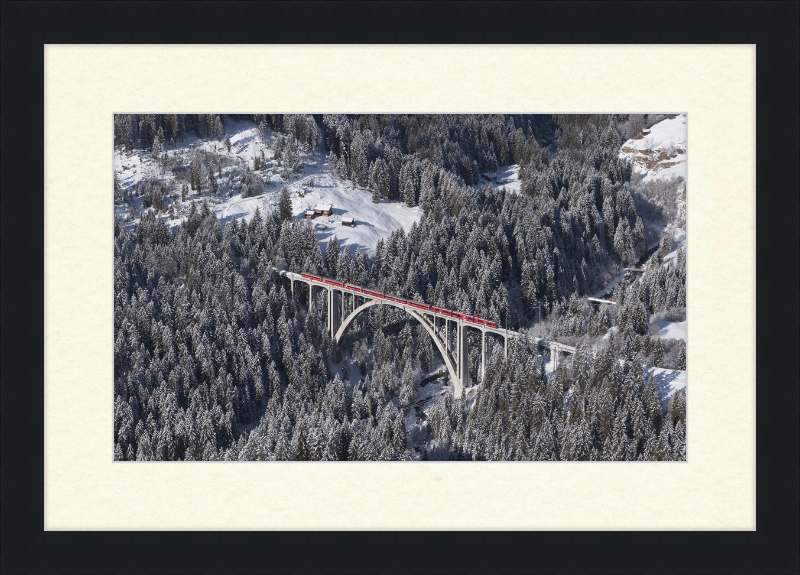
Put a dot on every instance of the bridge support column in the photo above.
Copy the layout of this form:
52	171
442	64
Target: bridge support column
330	314
463	356
458	350
483	355
505	345
333	322
554	356
333	312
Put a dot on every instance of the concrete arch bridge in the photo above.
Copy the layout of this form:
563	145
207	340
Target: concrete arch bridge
437	322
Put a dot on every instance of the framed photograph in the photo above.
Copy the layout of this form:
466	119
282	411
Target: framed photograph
407	287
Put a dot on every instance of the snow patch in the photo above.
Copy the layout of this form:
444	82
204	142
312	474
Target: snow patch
678	241
505	176
667	381
671	329
661	153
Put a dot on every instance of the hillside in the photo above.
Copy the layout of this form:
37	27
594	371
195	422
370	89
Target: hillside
316	184
659	153
659	156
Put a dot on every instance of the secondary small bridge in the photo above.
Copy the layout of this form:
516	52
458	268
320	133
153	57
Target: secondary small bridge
346	302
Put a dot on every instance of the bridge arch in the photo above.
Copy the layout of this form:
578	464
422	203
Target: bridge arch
457	387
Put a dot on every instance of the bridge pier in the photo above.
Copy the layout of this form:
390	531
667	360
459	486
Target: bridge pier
334	319
554	355
483	355
463	355
333	312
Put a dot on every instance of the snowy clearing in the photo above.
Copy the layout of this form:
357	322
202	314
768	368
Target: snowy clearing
661	153
372	221
505	176
668	381
671	329
678	241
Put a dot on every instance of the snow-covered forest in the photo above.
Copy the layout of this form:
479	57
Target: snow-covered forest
517	219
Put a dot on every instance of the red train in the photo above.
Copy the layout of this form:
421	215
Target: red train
416	304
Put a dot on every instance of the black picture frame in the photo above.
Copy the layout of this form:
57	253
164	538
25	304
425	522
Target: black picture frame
28	26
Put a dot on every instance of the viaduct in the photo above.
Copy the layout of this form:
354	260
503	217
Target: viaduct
346	303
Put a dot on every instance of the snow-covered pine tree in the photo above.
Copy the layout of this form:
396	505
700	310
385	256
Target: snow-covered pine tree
285	205
158	144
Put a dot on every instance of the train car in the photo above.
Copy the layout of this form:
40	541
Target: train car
412	303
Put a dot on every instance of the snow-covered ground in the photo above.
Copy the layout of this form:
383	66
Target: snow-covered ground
661	153
505	176
678	237
668	381
671	329
372	221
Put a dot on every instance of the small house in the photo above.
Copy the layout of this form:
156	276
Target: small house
310	214
350	222
324	209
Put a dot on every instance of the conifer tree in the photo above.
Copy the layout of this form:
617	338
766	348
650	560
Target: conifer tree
682	358
285	205
158	144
